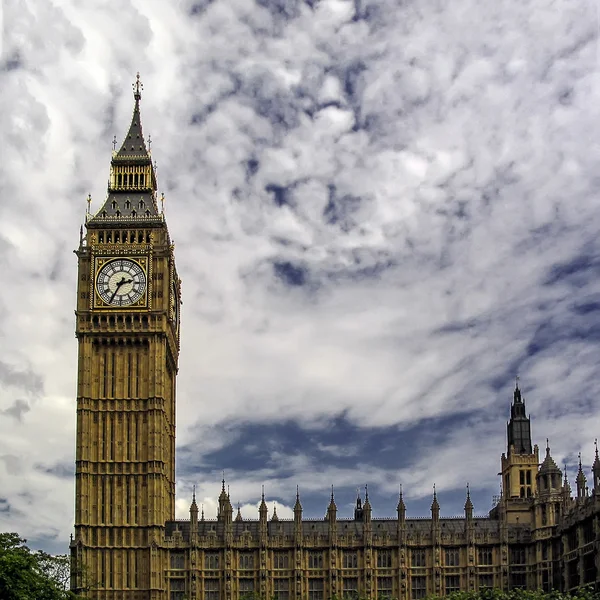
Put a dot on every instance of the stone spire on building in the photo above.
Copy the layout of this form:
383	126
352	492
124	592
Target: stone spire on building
435	506
581	481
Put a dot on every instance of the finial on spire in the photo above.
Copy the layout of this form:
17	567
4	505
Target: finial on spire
162	202
263	492
297	492
517	382
332	491
468	491
401	491
547	445
366	492
138	86
434	492
149	143
114	143
223	482
596	444
194	493
579	455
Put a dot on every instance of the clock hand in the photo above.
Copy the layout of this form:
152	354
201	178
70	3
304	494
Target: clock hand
117	289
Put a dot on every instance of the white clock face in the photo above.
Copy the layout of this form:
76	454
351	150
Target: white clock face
121	282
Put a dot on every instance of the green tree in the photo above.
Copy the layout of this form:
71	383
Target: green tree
27	575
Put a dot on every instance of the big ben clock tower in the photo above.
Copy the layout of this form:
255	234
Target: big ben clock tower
127	326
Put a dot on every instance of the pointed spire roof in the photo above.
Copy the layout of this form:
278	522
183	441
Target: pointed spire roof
297	505
193	504
548	466
332	505
132	184
581	478
274	517
435	506
517	392
367	504
596	463
238	517
401	506
468	503
223	495
134	146
262	509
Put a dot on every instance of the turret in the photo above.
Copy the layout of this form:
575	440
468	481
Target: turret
581	481
274	517
331	509
549	477
358	509
194	517
222	502
435	507
367	507
401	508
520	462
263	510
297	508
298	518
238	517
596	471
262	519
519	426
468	505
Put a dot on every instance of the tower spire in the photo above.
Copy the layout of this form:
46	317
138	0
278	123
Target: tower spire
596	470
581	481
519	426
132	184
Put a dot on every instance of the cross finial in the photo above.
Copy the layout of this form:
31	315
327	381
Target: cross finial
162	201
137	87
114	143
517	381
149	142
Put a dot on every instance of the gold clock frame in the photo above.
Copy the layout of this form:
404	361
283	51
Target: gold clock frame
143	261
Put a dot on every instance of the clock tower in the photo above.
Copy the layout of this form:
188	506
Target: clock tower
127	326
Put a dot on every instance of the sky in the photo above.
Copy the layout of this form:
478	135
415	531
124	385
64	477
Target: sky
383	211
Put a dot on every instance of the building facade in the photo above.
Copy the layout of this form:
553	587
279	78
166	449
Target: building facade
127	544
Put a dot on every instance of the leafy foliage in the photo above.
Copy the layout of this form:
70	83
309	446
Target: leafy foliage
492	594
27	575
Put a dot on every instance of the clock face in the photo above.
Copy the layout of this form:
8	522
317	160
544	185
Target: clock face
175	304
121	282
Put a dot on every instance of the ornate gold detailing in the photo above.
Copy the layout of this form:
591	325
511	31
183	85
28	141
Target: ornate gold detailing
137	86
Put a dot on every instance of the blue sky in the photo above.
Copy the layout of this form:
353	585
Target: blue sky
382	211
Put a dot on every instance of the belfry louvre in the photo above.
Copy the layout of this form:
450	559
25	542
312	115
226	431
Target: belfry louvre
127	543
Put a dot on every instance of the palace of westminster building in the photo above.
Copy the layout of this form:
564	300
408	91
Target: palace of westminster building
127	544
